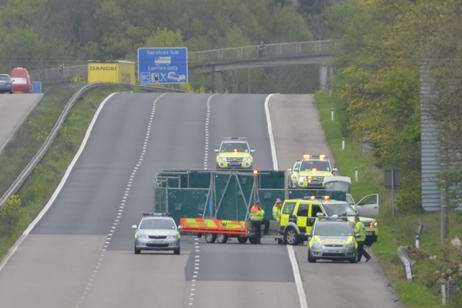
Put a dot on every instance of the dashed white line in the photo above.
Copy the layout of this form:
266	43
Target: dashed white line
121	208
206	131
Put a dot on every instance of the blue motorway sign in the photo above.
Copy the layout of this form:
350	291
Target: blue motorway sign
163	65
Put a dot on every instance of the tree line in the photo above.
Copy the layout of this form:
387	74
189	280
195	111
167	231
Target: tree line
43	31
386	44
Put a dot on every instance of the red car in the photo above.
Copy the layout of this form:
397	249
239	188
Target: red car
21	80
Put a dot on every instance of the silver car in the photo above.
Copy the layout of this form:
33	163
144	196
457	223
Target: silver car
332	239
157	232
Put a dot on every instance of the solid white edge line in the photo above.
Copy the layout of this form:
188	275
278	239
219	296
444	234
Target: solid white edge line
297	277
53	197
270	133
290	249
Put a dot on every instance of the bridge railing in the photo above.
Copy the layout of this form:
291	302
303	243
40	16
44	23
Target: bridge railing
264	51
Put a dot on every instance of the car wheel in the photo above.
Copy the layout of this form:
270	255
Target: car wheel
242	239
137	251
222	238
177	251
311	259
210	237
291	236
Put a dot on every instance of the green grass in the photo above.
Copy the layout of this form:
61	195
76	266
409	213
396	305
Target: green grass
31	135
30	199
398	230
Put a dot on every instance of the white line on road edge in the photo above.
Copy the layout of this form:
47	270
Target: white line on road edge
60	186
290	249
270	133
297	277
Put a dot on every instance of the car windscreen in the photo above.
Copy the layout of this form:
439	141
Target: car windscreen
4	78
155	223
320	165
340	209
234	147
333	229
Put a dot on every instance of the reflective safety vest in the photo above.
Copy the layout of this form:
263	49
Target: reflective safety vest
277	212
360	232
256	214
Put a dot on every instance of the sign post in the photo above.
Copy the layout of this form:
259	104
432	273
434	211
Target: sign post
162	65
392	181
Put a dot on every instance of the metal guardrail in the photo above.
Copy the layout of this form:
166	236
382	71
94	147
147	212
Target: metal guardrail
406	261
277	50
25	173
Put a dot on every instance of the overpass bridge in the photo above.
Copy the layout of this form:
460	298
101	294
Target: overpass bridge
217	61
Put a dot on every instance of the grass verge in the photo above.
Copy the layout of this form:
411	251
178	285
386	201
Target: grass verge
23	207
433	261
31	135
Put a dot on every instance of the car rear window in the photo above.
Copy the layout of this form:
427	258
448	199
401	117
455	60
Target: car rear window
19	80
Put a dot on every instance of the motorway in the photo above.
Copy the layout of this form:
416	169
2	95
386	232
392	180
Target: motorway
80	254
14	109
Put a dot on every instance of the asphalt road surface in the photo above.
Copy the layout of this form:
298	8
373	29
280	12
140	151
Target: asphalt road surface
326	284
81	252
14	108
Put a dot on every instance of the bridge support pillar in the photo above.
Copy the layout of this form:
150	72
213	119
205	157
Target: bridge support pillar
324	77
218	82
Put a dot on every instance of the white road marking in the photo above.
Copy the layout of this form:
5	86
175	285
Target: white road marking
121	208
206	131
58	189
290	249
270	133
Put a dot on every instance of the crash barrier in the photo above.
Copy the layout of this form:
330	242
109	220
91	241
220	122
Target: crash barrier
25	173
224	194
406	261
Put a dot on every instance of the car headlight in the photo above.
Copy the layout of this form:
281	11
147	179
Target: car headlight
140	235
221	159
316	246
247	160
350	246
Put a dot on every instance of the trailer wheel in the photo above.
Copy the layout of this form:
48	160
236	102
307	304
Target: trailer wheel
253	240
222	238
242	239
210	237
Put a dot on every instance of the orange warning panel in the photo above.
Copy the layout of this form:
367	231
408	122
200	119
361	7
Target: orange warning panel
209	225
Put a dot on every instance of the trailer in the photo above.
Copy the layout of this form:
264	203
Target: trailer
215	204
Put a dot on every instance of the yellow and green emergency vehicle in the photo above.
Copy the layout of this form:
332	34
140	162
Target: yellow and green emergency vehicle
333	239
234	153
310	171
299	215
